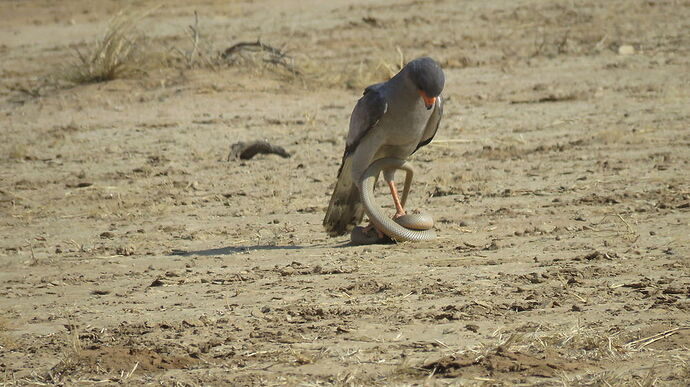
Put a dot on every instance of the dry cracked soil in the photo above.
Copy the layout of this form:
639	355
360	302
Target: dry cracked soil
134	251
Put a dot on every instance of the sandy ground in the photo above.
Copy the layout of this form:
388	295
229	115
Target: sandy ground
132	251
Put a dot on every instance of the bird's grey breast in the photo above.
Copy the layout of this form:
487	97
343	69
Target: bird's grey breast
404	122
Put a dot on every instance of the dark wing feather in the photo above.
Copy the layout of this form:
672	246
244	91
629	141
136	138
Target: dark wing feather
366	114
432	125
345	208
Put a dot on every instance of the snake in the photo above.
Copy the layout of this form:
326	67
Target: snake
411	227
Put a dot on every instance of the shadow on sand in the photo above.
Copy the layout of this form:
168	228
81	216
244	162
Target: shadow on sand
229	250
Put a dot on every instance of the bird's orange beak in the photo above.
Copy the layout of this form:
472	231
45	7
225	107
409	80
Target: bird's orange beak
428	101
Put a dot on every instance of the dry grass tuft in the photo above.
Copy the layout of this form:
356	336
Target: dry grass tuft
201	52
120	53
70	363
367	73
124	51
584	343
606	378
354	76
18	152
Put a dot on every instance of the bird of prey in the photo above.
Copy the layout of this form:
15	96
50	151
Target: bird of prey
391	119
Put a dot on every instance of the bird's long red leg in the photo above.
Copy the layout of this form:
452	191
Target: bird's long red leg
399	210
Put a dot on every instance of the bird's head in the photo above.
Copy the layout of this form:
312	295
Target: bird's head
427	75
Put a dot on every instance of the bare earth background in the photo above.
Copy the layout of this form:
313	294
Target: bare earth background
132	251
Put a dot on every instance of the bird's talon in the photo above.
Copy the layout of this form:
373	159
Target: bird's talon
364	236
371	226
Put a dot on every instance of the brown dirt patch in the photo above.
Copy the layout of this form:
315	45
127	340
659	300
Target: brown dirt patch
559	181
502	363
118	359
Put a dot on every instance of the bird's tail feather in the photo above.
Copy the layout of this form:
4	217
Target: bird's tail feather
345	208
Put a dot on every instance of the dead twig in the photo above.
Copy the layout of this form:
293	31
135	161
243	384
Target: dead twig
449	141
129	374
194	35
630	229
117	54
15	195
201	50
238	47
275	56
641	343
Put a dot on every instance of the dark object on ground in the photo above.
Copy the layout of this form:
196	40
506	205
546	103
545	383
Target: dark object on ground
247	150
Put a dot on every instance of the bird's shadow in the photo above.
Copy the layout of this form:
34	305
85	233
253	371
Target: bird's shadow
230	250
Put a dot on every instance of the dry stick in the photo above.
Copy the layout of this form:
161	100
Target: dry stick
10	193
627	225
630	229
277	56
129	374
195	37
563	42
600	44
33	255
450	141
241	45
648	340
431	374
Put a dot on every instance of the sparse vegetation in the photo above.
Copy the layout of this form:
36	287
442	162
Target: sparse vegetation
125	51
121	52
201	51
133	253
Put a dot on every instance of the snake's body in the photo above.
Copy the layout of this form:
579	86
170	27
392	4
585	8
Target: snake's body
418	225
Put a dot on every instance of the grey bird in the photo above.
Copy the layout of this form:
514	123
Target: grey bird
392	119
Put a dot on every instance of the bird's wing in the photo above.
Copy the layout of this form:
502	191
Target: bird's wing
366	114
345	208
432	124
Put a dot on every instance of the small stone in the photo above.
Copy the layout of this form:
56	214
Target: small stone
125	250
472	327
626	49
287	271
